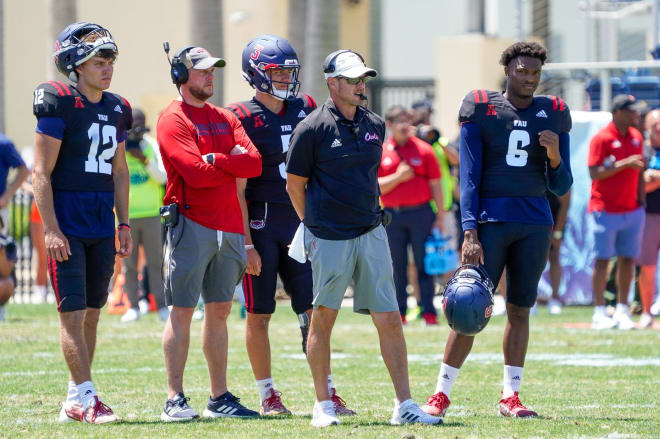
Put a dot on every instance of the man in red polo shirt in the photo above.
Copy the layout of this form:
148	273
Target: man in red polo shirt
617	196
409	177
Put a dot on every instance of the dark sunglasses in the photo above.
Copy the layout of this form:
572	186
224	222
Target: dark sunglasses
356	81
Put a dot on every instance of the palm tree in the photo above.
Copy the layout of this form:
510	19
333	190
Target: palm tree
60	13
321	38
206	20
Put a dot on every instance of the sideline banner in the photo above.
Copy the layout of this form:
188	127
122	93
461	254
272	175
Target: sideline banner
576	255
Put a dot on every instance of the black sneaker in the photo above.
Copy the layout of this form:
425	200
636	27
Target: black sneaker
177	410
227	406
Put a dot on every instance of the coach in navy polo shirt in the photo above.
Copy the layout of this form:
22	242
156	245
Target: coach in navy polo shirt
332	179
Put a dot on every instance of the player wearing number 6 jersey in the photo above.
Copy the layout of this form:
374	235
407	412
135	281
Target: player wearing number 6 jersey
513	145
270	65
79	174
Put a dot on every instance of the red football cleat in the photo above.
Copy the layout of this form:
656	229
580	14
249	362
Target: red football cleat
98	413
437	404
71	411
272	405
512	407
430	318
340	404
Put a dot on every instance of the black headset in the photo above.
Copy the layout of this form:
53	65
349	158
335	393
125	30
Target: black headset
329	63
178	69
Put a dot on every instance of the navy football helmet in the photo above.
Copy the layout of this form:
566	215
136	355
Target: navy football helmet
77	43
468	300
271	52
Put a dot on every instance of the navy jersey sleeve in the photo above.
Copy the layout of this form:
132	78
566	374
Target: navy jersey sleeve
48	100
561	178
300	157
469	110
51	126
470	164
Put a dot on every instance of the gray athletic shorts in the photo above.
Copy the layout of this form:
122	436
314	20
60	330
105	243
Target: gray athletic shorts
366	260
202	260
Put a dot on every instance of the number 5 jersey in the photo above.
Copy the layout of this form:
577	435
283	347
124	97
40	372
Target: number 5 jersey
82	182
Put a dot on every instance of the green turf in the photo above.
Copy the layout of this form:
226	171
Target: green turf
597	395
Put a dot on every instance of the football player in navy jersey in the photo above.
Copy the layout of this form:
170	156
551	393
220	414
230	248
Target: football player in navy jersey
270	65
513	145
79	174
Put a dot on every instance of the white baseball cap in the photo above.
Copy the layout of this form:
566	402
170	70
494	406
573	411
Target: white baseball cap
347	64
199	58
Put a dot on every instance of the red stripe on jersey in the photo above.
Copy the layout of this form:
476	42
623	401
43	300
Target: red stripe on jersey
57	86
561	104
484	96
65	87
241	115
554	103
125	102
310	101
477	99
244	108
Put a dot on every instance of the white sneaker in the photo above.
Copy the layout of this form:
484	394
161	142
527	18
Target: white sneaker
3	312
499	305
409	413
164	314
143	306
74	408
602	321
645	321
655	308
130	316
623	321
554	307
324	415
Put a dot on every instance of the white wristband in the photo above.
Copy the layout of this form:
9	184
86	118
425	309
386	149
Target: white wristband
249	246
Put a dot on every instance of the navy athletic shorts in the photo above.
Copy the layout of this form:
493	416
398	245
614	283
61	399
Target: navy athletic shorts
523	249
272	227
82	281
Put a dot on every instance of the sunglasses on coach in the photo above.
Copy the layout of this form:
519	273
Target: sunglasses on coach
356	81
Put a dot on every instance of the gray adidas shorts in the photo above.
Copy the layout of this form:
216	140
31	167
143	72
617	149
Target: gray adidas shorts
366	260
202	260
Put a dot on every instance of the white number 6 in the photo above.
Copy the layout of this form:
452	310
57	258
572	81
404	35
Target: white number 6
516	156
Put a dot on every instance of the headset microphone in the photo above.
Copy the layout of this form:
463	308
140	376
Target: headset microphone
166	48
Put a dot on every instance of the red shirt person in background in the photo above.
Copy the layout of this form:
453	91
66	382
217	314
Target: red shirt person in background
617	196
204	150
409	177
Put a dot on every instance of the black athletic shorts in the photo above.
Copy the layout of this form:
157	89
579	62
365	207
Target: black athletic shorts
523	249
272	227
82	281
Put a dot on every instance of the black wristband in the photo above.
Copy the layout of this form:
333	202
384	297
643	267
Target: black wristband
123	226
210	159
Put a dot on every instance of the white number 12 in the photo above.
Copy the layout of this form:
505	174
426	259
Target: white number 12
109	134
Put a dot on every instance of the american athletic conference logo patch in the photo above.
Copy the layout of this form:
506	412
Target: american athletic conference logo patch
257	224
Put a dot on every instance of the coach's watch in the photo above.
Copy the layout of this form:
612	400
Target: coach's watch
209	158
558	234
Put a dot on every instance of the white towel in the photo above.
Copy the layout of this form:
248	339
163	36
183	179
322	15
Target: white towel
297	246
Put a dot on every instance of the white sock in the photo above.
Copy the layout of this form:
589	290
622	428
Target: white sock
600	309
622	308
264	387
512	379
406	402
86	392
330	384
446	379
72	393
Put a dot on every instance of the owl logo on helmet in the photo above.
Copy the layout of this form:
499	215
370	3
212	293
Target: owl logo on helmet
77	43
264	54
468	300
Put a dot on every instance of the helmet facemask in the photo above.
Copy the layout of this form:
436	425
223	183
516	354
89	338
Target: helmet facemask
268	85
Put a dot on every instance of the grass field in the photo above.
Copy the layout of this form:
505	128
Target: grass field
583	383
